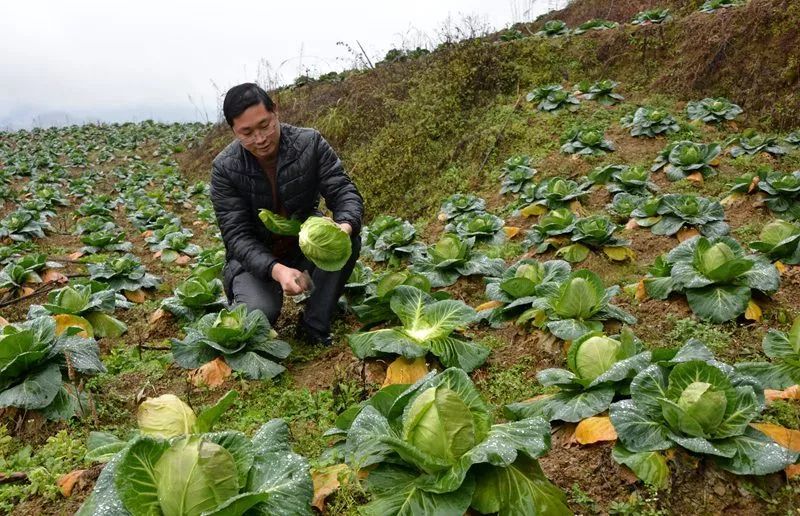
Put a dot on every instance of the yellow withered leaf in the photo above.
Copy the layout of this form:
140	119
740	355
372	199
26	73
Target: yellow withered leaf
489	305
538	397
785	437
753	312
753	184
533	210
405	371
790	393
731	199
641	292
686	234
780	266
157	315
330	478
134	296
619	254
64	321
66	483
697	177
53	276
792	471
595	429
326	481
510	231
576	208
212	374
3	322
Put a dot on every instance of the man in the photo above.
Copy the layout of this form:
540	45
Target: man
284	169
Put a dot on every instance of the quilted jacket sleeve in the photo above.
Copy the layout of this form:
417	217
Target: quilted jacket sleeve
237	228
341	195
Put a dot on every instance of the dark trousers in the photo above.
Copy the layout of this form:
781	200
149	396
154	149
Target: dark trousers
267	296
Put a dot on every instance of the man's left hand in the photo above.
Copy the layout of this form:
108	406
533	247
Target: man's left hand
346	227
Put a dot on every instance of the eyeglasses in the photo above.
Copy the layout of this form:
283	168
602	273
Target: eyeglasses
267	131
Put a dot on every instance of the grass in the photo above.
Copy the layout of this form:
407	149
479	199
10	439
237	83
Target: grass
579	497
503	385
685	329
507	251
785	413
749	232
44	465
639	505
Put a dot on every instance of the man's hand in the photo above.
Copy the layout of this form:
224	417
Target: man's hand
292	281
346	227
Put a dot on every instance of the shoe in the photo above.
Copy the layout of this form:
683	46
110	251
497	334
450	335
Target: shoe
310	336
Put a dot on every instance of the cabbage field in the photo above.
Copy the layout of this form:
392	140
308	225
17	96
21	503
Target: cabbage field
607	325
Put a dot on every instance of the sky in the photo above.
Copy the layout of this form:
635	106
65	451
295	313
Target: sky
172	60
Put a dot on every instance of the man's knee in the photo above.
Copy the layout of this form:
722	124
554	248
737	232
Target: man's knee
249	291
270	310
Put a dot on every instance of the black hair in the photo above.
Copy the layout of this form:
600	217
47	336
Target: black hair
241	97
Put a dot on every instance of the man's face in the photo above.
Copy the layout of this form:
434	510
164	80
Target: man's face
259	131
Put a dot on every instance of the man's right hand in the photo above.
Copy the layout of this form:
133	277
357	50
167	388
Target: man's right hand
291	280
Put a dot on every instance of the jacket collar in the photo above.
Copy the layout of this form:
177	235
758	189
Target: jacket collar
287	148
287	152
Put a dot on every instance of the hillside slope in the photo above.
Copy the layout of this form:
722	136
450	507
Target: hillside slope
411	131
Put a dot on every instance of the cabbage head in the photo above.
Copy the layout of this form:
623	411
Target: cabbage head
713	110
195	296
439	424
650	122
716	276
428	325
324	243
33	375
194	476
599	368
244	339
165	416
432	446
519	286
204	473
703	406
560	221
375	308
452	257
577	306
780	240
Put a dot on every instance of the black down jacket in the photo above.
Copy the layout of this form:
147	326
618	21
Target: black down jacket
307	167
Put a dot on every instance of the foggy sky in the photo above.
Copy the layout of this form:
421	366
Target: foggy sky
116	61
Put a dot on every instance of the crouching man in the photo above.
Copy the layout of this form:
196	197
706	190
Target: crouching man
284	169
